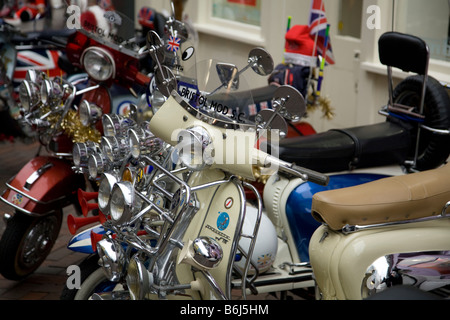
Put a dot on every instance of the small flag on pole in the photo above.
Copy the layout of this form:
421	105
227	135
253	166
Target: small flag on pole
318	29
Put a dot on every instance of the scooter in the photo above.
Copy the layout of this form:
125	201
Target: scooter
290	271
392	231
61	115
402	225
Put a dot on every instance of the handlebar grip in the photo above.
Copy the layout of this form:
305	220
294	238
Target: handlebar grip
313	176
293	169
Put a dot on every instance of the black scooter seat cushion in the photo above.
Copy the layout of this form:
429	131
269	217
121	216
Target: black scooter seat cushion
345	149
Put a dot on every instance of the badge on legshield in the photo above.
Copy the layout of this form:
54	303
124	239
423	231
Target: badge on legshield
222	221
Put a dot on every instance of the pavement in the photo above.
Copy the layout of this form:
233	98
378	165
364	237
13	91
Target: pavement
47	282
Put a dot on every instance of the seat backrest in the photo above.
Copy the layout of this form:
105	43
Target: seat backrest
403	51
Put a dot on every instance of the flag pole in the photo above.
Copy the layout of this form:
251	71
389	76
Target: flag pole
322	64
322	6
287	29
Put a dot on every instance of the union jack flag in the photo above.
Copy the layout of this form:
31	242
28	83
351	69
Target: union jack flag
173	44
44	60
317	26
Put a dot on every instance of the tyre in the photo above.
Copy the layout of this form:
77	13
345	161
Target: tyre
26	243
92	280
434	149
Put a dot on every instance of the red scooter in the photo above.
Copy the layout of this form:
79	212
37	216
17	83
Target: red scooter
62	115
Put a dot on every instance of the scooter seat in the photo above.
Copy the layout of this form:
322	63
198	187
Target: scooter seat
336	150
392	199
45	35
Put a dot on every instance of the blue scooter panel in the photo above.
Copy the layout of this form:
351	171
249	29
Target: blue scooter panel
298	206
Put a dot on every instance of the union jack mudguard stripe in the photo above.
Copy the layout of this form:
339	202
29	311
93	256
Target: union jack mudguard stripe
81	242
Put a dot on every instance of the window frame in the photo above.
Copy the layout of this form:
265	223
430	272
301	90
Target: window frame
229	29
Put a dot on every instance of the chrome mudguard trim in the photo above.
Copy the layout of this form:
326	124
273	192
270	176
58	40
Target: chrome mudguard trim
29	213
31	198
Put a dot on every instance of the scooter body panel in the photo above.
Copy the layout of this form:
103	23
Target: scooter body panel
343	264
43	185
298	206
219	221
81	242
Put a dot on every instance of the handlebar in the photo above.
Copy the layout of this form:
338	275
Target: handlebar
293	169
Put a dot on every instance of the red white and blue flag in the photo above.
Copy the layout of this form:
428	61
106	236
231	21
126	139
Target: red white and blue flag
173	44
146	17
317	26
44	60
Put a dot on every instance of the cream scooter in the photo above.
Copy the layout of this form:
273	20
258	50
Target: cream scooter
394	231
188	229
390	232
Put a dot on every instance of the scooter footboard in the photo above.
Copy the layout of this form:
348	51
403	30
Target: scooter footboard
42	186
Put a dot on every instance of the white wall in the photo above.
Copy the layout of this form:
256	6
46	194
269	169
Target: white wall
356	84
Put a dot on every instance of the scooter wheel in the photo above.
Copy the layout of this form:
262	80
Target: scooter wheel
26	243
434	149
92	280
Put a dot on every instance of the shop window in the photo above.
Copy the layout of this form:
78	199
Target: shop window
243	11
350	14
428	20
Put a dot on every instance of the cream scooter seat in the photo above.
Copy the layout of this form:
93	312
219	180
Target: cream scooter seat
392	199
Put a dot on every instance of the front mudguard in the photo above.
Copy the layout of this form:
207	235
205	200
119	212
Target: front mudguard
44	185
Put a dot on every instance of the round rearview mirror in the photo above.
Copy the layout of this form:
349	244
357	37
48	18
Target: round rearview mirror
269	119
260	61
165	80
289	103
155	45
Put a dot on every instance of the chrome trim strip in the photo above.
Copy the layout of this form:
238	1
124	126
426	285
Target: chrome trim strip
31	198
36	175
348	229
32	214
437	131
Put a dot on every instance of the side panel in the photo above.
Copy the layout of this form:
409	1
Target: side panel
298	207
340	262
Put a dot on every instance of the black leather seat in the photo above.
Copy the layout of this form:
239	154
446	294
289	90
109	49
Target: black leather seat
343	149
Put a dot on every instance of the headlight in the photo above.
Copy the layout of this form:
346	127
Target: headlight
112	258
134	142
109	147
142	141
195	148
28	94
98	63
104	191
122	202
111	124
114	148
96	165
114	125
89	113
138	278
51	93
82	151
